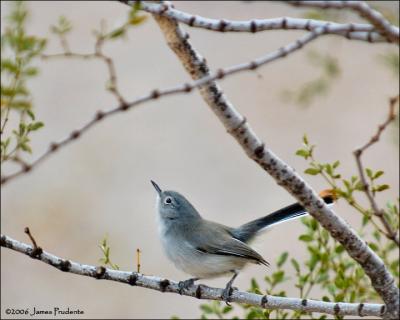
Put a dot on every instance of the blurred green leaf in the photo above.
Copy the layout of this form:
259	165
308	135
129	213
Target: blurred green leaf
305	238
312	171
282	259
295	264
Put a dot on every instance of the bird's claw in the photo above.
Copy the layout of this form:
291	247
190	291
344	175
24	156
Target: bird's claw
227	293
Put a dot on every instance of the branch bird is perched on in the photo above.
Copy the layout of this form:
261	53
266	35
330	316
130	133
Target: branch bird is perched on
206	249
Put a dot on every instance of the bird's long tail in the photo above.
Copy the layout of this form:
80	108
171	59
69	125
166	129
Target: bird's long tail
248	231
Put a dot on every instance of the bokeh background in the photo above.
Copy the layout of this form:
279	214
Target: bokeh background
100	184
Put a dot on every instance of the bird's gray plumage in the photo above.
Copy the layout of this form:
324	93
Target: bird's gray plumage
208	249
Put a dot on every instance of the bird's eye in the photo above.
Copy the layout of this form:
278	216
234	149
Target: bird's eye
168	200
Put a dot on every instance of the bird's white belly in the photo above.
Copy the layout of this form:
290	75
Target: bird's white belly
196	263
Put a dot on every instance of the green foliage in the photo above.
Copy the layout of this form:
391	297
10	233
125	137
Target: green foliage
214	309
19	51
319	86
62	27
328	268
105	249
134	19
350	190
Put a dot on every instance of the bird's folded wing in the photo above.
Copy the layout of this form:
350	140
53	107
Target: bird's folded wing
221	242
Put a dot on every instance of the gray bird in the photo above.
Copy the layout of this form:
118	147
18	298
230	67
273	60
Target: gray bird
206	249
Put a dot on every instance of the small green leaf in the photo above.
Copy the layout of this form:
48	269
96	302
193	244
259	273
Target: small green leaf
339	297
329	169
373	246
35	126
295	264
306	238
322	277
369	173
22	129
117	33
365	220
254	284
339	249
26	147
347	184
378	174
313	224
305	139
312	171
336	164
278	276
331	288
303	153
376	235
206	308
227	309
31	71
30	114
381	187
359	186
137	20
282	259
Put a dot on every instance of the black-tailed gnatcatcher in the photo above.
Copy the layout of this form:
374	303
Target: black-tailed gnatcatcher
205	249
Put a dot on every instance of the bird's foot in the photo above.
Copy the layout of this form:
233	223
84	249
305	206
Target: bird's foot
227	293
186	284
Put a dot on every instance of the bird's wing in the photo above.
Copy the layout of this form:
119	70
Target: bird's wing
217	239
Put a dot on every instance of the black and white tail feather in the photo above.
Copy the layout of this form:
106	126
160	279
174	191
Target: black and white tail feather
248	231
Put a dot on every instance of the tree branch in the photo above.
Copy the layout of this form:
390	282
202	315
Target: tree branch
198	291
390	233
390	31
237	126
155	94
353	31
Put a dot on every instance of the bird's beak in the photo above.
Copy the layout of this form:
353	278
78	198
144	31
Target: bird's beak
155	185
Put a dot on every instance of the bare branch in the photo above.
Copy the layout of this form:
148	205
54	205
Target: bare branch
97	54
155	94
198	291
353	31
390	31
236	125
390	233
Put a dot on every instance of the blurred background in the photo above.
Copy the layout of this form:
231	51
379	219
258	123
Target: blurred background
100	185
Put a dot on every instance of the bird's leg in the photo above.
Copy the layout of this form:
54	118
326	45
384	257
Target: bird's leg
186	284
226	295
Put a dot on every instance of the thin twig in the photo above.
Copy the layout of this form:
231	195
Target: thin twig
197	291
388	30
353	31
390	233
138	252
36	250
97	54
155	94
